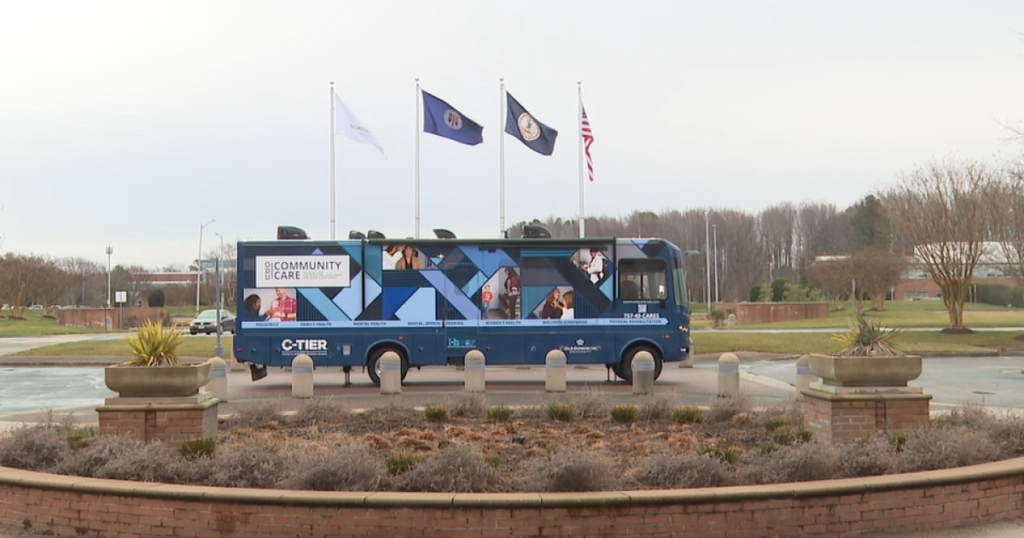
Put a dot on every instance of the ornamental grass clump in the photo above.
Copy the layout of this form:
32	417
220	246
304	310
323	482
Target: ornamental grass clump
868	338
152	345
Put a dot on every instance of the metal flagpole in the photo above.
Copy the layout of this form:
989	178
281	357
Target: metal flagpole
707	261
501	155
419	98
579	123
332	159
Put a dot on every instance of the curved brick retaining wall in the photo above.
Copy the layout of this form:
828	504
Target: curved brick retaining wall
74	506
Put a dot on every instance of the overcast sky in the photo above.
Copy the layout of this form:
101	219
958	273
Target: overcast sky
131	124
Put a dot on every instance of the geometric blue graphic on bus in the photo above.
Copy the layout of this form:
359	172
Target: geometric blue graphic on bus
534	296
372	263
474	284
531	253
436	261
607	288
394	298
405	279
653	249
420	307
317	251
452	293
452	257
640	242
488	262
323	305
356	252
350	300
373	290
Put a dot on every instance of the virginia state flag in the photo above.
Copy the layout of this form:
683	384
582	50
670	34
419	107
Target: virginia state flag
442	119
520	124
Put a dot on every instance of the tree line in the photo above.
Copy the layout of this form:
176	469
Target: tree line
945	215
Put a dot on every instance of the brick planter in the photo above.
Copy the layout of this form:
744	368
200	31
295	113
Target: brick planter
160	419
841	418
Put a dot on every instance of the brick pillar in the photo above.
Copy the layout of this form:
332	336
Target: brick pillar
160	419
841	418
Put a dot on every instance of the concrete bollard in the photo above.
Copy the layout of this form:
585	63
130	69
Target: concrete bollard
108	324
218	385
804	377
302	377
475	368
732	321
554	371
728	375
688	361
643	373
390	373
235	365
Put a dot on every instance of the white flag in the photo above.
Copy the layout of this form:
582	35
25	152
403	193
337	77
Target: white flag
348	125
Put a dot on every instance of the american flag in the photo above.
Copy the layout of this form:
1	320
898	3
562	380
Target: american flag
588	139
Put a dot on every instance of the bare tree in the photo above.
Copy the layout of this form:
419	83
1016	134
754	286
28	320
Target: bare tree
20	277
876	271
834	275
1008	222
51	282
941	209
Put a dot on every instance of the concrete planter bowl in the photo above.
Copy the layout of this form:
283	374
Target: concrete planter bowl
894	371
157	381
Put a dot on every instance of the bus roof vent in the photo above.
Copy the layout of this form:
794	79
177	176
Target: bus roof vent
374	234
356	234
291	232
535	231
441	233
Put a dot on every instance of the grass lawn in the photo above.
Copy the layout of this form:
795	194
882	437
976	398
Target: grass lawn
200	346
925	342
34	324
911	314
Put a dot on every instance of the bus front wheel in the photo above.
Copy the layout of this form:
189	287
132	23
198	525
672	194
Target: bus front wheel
625	369
373	364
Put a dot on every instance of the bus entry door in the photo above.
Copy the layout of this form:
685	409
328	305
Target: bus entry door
460	308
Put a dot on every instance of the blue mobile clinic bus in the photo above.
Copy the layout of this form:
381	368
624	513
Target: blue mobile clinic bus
344	303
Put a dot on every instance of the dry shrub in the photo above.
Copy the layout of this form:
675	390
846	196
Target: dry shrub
724	409
87	461
466	405
34	448
944	448
571	470
456	469
873	457
251	465
315	412
1008	434
155	462
656	407
345	468
780	415
798	463
663	471
589	403
255	414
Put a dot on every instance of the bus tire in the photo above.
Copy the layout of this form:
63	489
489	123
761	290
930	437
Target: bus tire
625	370
373	363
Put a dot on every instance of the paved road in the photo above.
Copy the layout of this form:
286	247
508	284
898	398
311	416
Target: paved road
76	390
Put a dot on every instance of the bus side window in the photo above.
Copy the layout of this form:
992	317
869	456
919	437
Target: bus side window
628	289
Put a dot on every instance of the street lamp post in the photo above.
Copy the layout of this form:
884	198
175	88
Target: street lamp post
110	250
707	258
199	263
218	351
715	228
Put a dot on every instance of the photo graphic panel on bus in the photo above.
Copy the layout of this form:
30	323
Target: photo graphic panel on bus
302	271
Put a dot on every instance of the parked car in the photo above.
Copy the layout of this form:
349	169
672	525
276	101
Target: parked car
35	307
206	322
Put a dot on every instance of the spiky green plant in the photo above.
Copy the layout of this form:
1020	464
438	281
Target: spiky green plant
152	345
867	338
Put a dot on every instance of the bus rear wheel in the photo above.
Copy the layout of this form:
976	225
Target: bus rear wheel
625	368
373	363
